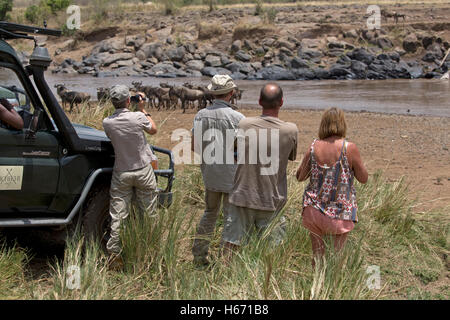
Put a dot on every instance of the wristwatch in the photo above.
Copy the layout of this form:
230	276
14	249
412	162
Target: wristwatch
147	114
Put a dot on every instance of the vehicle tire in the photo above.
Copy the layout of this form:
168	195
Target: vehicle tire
96	219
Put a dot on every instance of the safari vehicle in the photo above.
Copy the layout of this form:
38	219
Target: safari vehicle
54	174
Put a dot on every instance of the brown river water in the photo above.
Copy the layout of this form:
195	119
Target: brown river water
429	97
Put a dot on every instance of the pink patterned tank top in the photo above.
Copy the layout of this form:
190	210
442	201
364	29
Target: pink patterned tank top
331	189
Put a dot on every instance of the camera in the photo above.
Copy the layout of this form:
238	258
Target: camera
136	98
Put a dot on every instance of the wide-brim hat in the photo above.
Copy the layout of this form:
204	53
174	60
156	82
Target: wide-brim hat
221	84
119	93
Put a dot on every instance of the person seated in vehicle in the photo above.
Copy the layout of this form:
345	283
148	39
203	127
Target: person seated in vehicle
9	118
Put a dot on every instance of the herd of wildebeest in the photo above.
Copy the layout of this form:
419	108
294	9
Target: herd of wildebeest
165	96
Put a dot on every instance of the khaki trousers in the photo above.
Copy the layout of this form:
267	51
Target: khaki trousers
205	228
137	185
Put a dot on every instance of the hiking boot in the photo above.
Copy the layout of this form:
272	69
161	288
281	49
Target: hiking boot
115	262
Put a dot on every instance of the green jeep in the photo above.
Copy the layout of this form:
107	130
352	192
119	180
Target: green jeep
53	173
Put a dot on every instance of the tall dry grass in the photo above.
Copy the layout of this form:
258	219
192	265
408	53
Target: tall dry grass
408	248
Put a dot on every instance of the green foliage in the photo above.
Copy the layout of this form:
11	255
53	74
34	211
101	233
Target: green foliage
56	5
46	8
259	10
5	7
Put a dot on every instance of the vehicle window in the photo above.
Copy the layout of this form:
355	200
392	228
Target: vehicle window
12	90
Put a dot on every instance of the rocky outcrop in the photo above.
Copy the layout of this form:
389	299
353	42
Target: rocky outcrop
287	58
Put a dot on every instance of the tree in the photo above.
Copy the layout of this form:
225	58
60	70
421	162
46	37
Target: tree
5	7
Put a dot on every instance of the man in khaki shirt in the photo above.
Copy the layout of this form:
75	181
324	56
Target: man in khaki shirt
132	167
265	144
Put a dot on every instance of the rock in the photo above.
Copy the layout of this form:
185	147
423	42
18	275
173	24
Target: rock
190	48
338	71
242	56
351	34
152	50
309	54
282	43
109	45
260	51
256	65
304	74
178	65
169	40
248	45
188	57
416	72
135	41
384	43
437	50
345	60
359	69
334	43
362	55
373	75
410	43
176	54
255	76
430	57
394	56
321	73
240	67
92	60
86	70
335	52
298	62
238	76
212	71
427	41
286	51
225	59
197	65
268	42
277	73
193	73
163	67
111	58
310	43
213	61
236	46
140	54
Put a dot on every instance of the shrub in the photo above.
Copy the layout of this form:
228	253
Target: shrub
56	5
259	10
35	14
5	7
32	14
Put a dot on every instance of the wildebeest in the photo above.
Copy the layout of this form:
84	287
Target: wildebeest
149	91
237	95
71	97
103	94
187	95
394	15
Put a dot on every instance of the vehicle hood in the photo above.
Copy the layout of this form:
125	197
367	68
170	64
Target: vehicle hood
88	133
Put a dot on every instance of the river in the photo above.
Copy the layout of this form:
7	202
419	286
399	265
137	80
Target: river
429	97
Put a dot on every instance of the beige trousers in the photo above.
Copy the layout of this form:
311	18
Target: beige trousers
137	185
205	228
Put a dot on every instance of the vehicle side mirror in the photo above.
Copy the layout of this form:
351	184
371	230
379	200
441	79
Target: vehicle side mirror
34	123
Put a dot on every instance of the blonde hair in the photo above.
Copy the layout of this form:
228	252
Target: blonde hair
332	124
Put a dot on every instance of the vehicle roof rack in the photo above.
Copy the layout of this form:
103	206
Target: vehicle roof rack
10	30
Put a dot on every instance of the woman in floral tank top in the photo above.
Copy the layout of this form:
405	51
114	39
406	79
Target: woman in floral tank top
329	201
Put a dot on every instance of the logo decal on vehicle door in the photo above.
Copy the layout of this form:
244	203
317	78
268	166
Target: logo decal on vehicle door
11	177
